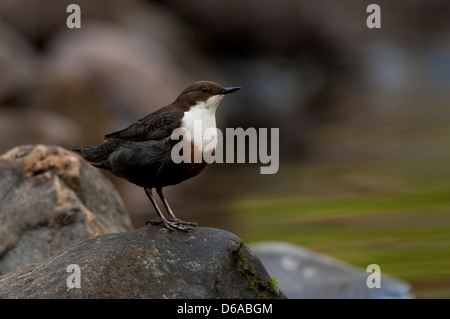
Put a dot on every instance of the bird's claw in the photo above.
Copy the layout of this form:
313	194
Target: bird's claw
173	225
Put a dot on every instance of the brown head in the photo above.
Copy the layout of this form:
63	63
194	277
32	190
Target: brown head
201	91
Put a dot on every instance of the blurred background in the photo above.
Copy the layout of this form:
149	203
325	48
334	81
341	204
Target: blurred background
364	114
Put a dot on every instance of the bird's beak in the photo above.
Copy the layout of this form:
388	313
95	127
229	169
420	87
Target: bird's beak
230	89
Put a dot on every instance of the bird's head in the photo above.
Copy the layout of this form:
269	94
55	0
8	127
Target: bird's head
207	92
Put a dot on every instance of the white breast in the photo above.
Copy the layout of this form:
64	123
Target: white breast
200	118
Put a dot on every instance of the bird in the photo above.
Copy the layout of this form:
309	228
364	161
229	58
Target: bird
141	152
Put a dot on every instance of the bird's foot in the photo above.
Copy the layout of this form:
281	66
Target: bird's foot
173	225
183	222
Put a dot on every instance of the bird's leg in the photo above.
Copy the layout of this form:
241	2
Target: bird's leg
162	220
173	218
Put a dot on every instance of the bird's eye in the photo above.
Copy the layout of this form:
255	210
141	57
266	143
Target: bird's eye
204	89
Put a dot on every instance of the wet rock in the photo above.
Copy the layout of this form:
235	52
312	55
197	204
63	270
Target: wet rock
149	262
18	65
19	126
50	199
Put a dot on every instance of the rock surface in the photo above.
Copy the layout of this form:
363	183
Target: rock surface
303	273
50	200
149	262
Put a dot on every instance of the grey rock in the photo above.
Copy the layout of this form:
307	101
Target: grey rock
149	262
20	126
18	63
50	199
302	273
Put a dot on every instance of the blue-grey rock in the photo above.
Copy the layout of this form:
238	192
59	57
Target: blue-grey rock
302	273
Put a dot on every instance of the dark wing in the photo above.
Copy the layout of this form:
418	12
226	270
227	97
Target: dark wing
155	126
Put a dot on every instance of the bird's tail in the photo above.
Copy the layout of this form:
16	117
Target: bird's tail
93	154
89	153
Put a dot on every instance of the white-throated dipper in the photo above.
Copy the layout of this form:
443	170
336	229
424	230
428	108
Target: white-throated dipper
141	153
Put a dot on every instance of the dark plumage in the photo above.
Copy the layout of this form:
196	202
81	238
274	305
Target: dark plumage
141	153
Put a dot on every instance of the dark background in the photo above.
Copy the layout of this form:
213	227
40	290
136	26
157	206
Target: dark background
364	114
